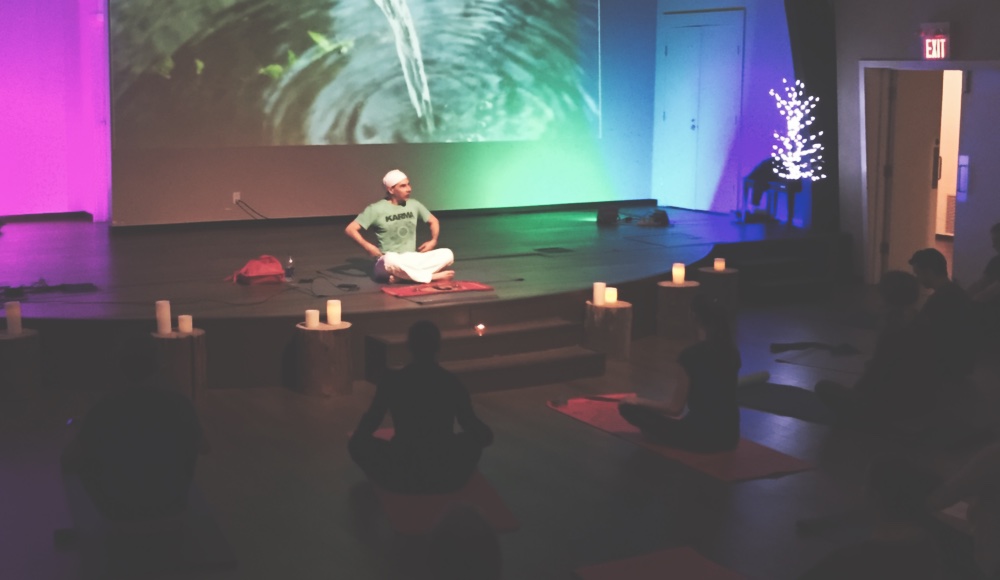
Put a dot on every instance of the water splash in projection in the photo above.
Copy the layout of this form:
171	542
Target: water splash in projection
317	72
410	59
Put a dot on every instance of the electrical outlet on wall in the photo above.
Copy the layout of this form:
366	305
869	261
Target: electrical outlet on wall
236	197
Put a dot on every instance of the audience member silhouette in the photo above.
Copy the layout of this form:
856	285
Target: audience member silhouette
985	292
463	546
901	387
136	449
708	388
900	545
978	483
425	455
947	314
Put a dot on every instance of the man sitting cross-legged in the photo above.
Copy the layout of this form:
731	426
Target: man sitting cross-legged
394	220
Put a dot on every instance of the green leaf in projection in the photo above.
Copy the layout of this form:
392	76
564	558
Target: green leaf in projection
272	70
291	58
199	66
164	67
324	43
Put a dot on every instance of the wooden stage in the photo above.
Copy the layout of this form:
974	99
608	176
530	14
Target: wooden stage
538	263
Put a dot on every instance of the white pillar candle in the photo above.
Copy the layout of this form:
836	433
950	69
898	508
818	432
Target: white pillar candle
333	312
720	264
163	325
185	323
610	295
678	272
13	310
312	318
599	288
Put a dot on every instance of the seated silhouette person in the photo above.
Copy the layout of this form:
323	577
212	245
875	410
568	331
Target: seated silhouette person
985	292
978	483
902	386
708	389
900	546
136	449
947	314
424	400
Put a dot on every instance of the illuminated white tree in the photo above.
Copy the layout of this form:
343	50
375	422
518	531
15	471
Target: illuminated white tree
798	155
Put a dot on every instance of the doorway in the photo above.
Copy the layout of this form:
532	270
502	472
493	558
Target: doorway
697	106
912	124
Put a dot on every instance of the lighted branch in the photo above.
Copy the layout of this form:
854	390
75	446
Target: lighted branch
798	154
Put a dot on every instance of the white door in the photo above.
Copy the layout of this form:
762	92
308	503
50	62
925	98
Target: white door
903	129
699	80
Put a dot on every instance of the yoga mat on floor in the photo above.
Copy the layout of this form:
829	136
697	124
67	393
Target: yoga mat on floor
442	287
200	546
748	461
786	401
681	563
417	514
824	359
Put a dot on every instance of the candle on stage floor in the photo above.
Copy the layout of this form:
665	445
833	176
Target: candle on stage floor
720	264
610	295
185	323
480	329
312	318
598	298
13	310
678	272
333	310
163	325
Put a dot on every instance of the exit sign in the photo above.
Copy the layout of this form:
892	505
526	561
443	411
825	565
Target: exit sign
936	48
936	41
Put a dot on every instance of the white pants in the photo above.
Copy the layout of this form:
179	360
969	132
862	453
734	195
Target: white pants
415	266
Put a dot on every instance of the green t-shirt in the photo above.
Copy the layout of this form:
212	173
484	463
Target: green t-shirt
395	226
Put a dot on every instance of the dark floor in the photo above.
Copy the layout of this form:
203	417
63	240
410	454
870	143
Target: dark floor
293	506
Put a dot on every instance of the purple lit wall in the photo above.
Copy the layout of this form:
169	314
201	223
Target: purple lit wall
54	139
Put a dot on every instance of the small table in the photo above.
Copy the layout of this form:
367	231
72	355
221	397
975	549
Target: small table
20	365
608	328
182	358
674	318
323	359
723	285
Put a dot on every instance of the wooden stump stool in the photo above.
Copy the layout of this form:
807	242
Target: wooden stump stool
723	285
181	358
323	359
608	328
20	365
674	318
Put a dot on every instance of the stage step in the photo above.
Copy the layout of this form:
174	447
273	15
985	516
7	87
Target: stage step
527	369
528	352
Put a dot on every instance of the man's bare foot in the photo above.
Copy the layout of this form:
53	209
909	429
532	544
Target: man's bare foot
443	275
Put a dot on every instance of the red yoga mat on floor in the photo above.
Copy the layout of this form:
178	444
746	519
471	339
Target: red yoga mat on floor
417	514
748	461
681	563
410	290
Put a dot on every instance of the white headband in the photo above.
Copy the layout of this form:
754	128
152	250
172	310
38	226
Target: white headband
393	178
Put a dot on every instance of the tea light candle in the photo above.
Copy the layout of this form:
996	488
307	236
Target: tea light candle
185	323
312	318
163	325
480	329
720	264
13	310
678	272
610	295
599	291
333	310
